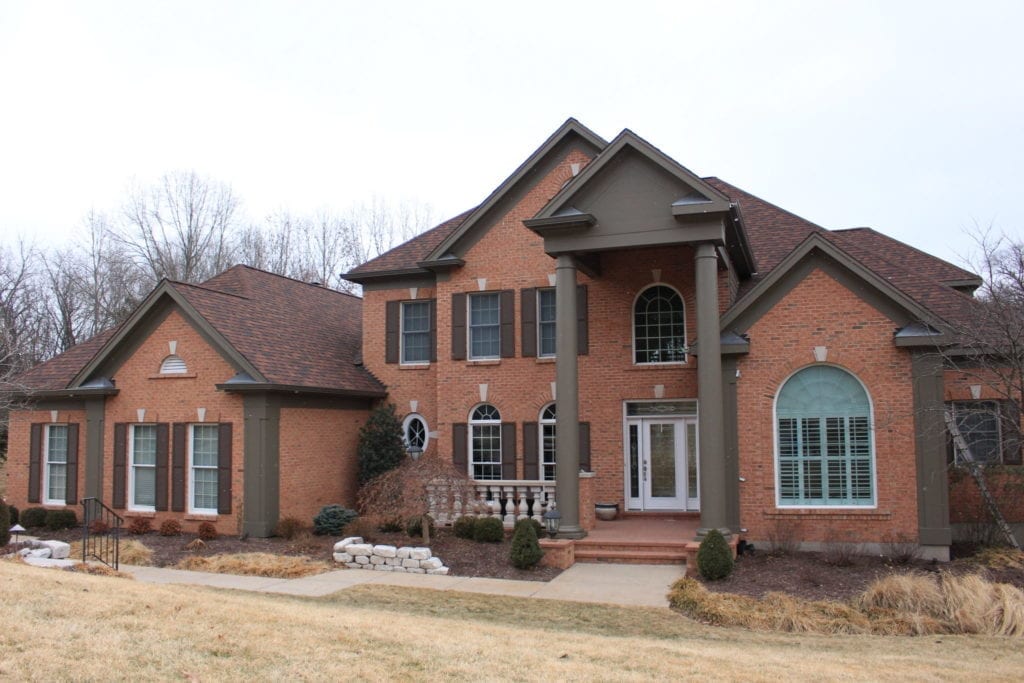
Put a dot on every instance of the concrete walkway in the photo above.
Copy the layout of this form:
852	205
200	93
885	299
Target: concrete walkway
617	584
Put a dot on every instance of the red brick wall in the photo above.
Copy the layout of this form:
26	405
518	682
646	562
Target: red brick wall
318	459
822	312
171	398
16	468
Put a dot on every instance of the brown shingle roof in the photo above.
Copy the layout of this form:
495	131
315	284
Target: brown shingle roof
408	254
292	332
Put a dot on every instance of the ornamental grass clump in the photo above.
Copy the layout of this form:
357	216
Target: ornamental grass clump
526	551
714	557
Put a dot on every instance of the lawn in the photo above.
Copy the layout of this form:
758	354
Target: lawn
59	625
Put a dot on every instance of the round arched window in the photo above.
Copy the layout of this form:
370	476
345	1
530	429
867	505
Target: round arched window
414	431
485	442
659	326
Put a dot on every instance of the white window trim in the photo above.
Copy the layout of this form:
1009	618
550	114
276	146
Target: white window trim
192	469
132	466
471	455
632	328
401	334
173	365
541	423
871	436
469	326
540	354
46	468
426	429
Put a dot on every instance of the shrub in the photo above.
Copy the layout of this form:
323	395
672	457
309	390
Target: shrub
33	517
526	550
414	526
98	526
170	527
288	528
332	519
390	525
5	524
464	526
207	531
139	526
714	557
13	511
900	548
784	536
381	446
488	530
60	519
839	552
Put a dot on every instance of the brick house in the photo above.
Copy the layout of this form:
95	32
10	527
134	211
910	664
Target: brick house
675	344
237	401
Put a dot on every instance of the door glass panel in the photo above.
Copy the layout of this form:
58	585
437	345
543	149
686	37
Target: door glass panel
691	451
634	461
655	408
663	460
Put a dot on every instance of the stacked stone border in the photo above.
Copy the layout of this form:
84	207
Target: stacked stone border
355	554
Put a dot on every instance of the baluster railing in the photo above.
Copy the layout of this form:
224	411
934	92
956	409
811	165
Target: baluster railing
101	533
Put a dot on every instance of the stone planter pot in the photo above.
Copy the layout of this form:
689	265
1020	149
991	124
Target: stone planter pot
606	511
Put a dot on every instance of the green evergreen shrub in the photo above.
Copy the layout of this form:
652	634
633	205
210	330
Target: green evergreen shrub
140	525
464	527
414	525
60	519
381	445
332	519
5	523
714	557
170	527
33	517
526	551
13	511
207	531
488	530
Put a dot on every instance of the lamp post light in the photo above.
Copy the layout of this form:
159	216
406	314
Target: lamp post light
552	520
17	529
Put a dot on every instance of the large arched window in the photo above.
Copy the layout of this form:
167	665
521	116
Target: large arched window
547	441
485	442
825	445
659	326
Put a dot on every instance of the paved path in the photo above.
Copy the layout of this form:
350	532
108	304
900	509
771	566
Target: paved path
619	584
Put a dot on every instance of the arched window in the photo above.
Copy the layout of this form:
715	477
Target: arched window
825	442
547	441
173	365
659	326
485	442
414	432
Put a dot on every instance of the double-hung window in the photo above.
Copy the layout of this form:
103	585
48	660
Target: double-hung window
546	322
142	457
547	441
203	459
659	326
485	442
979	423
484	326
416	332
56	449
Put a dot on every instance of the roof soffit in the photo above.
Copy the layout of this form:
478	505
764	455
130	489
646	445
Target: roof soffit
143	320
570	131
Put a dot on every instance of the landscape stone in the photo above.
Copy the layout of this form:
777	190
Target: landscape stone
344	558
392	561
399	569
411	563
416	570
364	549
403	553
441	571
59	550
385	568
419	553
353	565
385	550
340	545
42	553
362	559
431	563
376	559
371	567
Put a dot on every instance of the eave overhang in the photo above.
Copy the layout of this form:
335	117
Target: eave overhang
296	389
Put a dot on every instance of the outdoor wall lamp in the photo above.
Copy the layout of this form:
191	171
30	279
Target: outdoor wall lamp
552	520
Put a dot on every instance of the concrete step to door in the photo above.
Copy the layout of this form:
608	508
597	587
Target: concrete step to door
631	546
631	556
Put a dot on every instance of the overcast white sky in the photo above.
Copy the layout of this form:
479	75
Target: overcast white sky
905	116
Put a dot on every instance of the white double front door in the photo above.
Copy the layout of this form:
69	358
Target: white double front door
661	463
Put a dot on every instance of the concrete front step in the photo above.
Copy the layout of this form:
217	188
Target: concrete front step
631	556
637	546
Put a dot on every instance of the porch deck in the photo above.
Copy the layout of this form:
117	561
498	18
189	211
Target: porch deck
639	539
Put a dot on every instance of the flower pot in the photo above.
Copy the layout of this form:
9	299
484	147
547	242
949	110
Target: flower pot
606	511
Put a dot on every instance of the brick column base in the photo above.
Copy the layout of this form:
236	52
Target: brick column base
588	517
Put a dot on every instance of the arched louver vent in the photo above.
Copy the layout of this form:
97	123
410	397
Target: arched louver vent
173	365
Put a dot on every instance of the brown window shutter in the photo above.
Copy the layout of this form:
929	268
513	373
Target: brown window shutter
460	452
1011	432
392	323
35	461
528	322
179	434
224	468
584	437
120	465
162	434
582	328
71	485
507	303
458	327
433	330
531	449
508	450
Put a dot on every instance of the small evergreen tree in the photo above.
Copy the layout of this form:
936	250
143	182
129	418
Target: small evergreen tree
525	552
381	446
332	519
714	557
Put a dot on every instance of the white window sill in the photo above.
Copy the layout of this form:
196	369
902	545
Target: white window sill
483	361
414	366
546	359
202	516
135	512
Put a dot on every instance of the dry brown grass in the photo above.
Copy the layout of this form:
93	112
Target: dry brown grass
999	558
256	564
158	632
98	570
901	604
131	552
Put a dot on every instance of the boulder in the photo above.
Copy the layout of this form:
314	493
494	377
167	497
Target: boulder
403	553
399	569
431	563
339	547
359	549
362	559
376	559
415	570
419	553
385	550
344	558
440	571
411	564
59	550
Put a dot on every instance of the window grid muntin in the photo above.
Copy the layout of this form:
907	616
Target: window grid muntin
56	464
659	326
484	326
485	442
143	467
980	424
204	455
173	365
547	442
416	332
415	432
546	330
